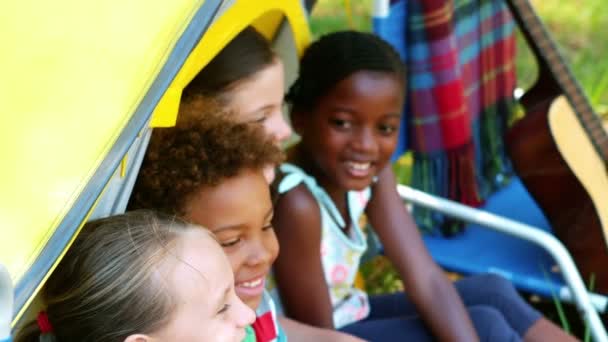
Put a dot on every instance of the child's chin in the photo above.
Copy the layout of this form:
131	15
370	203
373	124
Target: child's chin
358	185
253	303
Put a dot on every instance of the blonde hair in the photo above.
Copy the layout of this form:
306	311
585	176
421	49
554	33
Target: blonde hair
107	286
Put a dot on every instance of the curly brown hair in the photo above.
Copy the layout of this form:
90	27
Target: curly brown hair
205	147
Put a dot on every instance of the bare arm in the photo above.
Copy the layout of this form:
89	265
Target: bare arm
298	269
299	332
433	294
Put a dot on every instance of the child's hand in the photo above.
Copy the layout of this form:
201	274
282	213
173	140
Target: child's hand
299	332
336	336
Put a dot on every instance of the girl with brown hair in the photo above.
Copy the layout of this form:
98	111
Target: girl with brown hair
141	277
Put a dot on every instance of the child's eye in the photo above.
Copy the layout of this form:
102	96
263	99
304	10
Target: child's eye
267	227
343	124
223	309
259	120
230	243
387	129
263	116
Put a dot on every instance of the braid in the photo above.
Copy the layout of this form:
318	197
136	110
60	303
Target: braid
336	56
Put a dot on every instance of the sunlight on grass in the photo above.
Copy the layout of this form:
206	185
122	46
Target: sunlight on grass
330	15
578	28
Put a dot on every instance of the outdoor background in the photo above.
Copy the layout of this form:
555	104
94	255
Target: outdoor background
577	27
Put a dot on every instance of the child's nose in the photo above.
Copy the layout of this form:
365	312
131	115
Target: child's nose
259	254
243	314
282	128
365	141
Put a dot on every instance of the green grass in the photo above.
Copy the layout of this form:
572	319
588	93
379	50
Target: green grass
578	29
331	15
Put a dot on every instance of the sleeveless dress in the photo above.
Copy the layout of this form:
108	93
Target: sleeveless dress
340	253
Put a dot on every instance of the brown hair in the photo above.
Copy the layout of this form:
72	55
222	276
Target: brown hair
248	53
204	148
107	286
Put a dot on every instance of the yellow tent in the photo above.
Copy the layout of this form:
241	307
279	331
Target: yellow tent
81	84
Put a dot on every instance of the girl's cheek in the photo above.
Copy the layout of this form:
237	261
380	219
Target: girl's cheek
278	127
236	261
272	245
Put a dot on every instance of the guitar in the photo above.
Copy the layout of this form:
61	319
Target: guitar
560	151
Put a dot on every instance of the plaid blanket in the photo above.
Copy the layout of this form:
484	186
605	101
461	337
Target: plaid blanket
461	76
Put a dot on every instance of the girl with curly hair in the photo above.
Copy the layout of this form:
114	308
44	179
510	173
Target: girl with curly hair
209	170
247	77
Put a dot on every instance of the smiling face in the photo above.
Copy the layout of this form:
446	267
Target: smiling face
259	99
352	131
202	286
239	211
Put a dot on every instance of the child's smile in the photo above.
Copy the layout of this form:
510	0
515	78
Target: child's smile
351	133
238	211
359	169
252	288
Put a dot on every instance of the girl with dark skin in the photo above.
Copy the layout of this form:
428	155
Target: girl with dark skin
346	106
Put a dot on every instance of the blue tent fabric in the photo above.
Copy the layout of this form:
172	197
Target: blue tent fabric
393	29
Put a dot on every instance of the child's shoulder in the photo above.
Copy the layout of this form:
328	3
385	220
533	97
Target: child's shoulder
295	194
298	200
294	182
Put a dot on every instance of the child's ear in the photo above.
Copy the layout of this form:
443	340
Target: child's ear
138	338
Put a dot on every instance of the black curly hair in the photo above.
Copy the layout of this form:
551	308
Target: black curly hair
336	56
199	151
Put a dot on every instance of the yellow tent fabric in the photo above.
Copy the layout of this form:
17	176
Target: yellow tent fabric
73	72
73	75
264	17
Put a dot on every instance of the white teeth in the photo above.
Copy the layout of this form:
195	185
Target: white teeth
359	166
252	283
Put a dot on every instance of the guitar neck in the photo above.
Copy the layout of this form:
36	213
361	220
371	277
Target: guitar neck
549	57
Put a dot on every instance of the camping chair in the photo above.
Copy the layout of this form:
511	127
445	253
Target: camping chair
83	94
508	235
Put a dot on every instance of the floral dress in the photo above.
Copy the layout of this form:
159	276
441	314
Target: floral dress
340	253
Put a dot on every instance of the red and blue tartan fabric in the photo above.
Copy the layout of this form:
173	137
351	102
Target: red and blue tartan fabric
460	59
